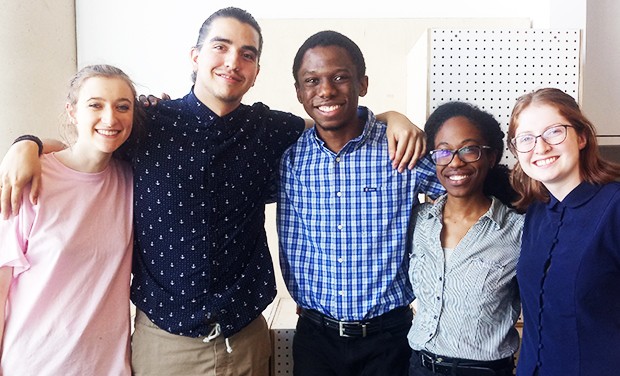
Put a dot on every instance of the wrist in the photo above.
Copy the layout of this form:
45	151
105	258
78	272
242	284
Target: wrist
29	137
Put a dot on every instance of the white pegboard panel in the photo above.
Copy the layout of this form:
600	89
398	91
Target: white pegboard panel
492	68
282	321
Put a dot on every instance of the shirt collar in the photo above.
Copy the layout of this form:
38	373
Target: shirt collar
577	197
204	114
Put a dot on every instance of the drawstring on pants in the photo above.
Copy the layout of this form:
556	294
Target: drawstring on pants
215	332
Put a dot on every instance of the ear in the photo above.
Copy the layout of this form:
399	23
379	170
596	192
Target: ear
298	92
70	112
363	86
193	54
257	72
581	141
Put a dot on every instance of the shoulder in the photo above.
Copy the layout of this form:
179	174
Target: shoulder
425	166
612	190
426	210
168	107
275	117
506	216
121	167
304	146
610	199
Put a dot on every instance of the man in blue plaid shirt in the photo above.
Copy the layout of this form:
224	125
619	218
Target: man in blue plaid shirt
343	213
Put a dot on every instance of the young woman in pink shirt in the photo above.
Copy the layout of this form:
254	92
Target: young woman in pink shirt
65	263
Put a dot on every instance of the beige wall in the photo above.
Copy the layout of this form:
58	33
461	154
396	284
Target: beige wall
601	73
37	49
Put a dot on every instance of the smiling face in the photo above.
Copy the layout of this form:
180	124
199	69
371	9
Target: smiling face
103	115
226	65
463	180
329	88
556	166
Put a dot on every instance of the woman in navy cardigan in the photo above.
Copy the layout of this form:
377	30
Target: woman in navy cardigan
569	268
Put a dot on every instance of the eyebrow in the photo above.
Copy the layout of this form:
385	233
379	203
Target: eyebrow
464	141
101	99
546	128
228	41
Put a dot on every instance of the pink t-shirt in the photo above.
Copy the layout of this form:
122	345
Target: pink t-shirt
68	304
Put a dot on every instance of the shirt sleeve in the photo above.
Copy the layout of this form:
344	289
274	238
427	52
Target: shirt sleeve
284	129
288	224
426	175
14	234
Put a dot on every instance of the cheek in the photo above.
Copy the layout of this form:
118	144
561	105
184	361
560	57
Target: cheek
305	97
127	120
523	158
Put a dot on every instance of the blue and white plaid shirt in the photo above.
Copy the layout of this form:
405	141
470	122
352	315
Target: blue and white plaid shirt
342	223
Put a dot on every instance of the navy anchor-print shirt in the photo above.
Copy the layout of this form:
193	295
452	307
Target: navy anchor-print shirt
201	182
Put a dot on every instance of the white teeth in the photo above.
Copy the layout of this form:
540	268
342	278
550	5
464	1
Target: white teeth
457	177
328	108
544	162
107	132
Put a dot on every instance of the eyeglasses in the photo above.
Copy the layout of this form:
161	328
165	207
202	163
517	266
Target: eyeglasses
467	154
554	135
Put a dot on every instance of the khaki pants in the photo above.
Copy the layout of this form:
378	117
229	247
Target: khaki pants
155	352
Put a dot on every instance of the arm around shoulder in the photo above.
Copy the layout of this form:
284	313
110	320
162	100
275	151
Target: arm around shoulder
21	166
406	141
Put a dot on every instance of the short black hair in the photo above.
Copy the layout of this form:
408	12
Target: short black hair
328	38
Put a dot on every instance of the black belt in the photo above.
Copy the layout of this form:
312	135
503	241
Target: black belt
395	318
444	365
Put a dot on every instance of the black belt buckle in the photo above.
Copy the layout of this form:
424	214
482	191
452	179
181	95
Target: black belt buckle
342	328
427	362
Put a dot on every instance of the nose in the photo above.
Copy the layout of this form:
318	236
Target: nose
108	117
456	161
540	146
326	89
232	60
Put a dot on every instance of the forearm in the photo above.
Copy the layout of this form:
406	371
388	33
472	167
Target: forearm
393	117
51	145
19	167
384	116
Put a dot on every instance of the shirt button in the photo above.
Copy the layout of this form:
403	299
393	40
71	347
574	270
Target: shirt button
340	259
341	293
339	194
438	298
337	159
340	227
